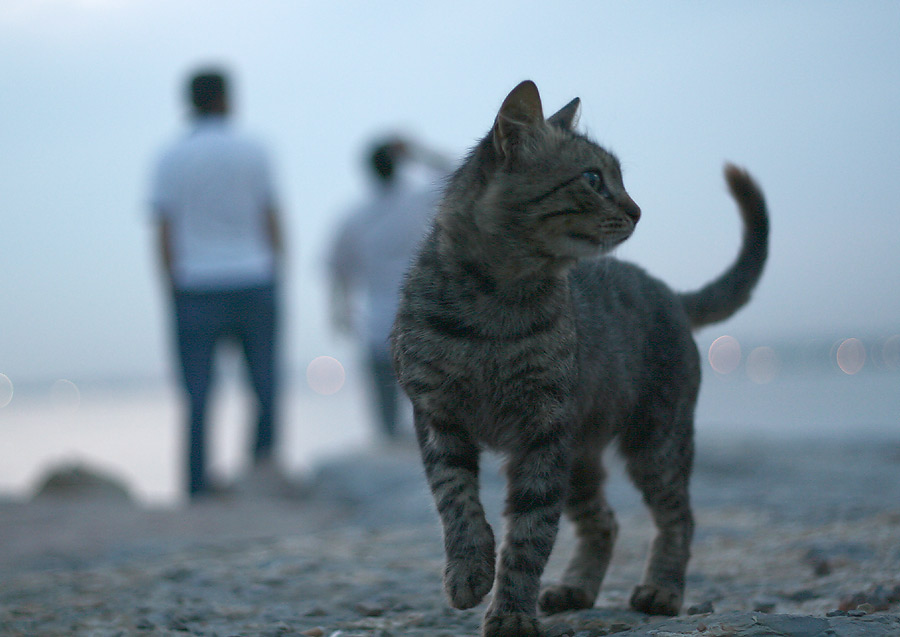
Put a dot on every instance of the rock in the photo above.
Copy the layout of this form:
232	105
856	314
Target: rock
765	605
894	595
878	598
818	561
794	625
701	609
559	630
802	595
145	624
76	481
371	608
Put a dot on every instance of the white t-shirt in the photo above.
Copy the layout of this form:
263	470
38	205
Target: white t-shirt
214	188
374	248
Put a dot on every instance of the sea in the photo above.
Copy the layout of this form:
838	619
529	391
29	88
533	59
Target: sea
845	388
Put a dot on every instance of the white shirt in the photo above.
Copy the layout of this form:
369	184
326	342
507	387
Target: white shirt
374	248
214	188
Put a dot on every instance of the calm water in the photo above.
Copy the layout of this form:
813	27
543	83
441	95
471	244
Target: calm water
134	432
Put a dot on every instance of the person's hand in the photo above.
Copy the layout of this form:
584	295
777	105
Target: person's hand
400	148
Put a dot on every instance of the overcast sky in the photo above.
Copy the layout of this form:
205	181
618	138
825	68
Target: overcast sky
806	95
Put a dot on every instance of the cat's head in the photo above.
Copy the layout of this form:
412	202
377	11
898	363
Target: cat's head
557	191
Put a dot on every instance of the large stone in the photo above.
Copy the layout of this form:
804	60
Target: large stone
77	481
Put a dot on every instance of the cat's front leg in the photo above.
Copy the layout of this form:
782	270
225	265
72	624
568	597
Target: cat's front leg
451	463
537	481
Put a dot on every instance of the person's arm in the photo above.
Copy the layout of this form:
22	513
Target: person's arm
435	160
341	268
411	151
341	306
275	230
164	247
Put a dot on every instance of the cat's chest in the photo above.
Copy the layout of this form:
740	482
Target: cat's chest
503	387
514	350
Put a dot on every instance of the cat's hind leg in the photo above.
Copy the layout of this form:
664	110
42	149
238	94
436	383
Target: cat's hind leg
595	529
451	464
660	464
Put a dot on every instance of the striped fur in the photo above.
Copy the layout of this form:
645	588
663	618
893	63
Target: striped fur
514	333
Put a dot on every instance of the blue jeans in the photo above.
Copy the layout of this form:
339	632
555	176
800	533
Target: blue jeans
203	319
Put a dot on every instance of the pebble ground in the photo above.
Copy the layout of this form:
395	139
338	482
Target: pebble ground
793	538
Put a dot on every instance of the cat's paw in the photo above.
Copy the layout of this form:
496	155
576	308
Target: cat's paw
468	580
515	625
557	598
655	600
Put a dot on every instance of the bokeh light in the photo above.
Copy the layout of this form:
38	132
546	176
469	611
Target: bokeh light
762	365
890	352
65	395
725	354
325	375
6	390
851	355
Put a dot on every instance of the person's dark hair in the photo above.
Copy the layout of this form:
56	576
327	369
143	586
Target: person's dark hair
209	91
382	161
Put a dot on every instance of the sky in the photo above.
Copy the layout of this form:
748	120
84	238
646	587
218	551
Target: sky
805	95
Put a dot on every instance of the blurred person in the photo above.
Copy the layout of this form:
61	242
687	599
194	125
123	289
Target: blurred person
221	248
371	255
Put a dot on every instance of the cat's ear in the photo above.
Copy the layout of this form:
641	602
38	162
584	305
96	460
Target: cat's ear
567	117
520	112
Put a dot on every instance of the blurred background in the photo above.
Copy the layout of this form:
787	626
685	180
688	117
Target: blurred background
806	95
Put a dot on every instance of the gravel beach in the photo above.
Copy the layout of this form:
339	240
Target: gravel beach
794	537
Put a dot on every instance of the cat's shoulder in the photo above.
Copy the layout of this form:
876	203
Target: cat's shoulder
610	277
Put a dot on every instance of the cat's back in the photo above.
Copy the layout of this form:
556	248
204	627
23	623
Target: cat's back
635	346
623	313
625	291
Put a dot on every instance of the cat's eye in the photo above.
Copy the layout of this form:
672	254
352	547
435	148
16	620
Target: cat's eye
595	180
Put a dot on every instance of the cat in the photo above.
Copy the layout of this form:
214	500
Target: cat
518	333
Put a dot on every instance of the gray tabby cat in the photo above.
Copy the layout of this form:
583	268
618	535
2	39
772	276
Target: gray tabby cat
512	336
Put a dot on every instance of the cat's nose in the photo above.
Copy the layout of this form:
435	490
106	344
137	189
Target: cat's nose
631	209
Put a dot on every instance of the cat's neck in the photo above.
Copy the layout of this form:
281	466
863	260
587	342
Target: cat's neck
497	267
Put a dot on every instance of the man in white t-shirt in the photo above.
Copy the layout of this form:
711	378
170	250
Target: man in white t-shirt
372	253
220	241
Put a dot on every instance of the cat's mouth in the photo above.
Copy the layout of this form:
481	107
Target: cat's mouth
606	239
580	245
580	236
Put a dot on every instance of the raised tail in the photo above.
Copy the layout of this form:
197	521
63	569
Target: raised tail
727	294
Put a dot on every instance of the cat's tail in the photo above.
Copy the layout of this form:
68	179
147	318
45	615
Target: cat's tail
727	294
